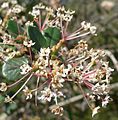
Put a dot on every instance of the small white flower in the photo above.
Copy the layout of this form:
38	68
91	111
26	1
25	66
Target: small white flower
69	66
41	6
8	99
70	12
25	68
44	52
107	4
17	9
47	94
95	110
36	10
93	29
7	39
28	23
100	89
13	2
5	5
92	97
65	15
28	43
66	71
68	18
85	25
105	101
12	54
3	87
57	80
50	11
28	93
57	110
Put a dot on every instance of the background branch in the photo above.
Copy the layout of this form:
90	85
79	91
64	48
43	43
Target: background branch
112	57
79	97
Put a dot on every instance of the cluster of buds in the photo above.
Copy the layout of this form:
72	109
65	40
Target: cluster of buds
81	65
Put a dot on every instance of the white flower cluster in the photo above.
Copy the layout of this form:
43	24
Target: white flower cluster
64	14
90	70
87	26
43	60
36	10
100	89
48	94
84	67
53	17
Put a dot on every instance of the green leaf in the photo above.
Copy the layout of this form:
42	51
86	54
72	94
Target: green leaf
11	107
14	28
53	36
11	69
1	98
37	37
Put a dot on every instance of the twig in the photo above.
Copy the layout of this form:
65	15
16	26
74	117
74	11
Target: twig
114	86
68	101
79	97
112	57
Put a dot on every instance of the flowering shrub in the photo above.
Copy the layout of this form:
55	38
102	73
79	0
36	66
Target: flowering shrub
36	53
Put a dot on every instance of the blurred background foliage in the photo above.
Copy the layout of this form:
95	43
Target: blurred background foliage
104	15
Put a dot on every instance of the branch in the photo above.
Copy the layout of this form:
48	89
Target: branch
114	85
68	101
112	57
78	97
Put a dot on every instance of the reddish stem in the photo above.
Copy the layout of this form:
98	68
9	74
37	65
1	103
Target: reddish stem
89	85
